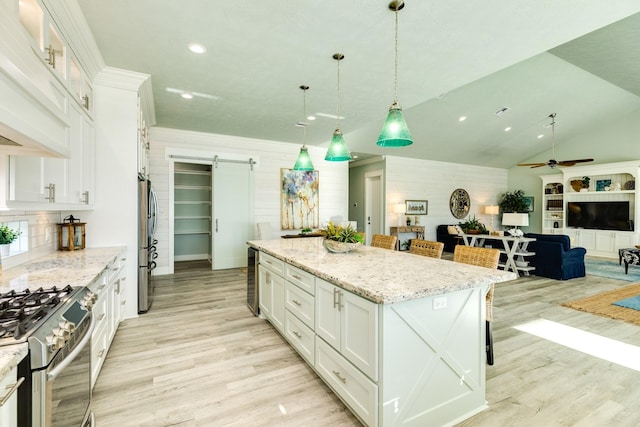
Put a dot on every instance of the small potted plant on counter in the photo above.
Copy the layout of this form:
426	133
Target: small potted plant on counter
7	236
341	239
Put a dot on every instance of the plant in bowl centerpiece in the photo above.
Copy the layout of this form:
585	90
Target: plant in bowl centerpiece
473	226
306	231
341	239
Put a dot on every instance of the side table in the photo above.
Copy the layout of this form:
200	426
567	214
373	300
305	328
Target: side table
416	230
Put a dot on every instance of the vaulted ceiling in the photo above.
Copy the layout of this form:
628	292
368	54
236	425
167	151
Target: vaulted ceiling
578	59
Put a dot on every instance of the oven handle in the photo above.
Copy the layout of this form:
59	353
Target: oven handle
12	390
67	360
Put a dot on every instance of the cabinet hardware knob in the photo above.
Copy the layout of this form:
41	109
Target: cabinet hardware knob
296	302
295	276
296	333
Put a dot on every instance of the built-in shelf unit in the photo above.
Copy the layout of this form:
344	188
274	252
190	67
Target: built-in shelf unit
609	182
192	211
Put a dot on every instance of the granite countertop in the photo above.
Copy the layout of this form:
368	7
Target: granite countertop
61	268
380	275
10	356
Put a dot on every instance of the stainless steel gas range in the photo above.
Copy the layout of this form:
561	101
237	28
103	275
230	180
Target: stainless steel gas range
57	325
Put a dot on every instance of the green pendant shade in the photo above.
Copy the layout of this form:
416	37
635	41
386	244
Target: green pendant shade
395	132
304	160
338	150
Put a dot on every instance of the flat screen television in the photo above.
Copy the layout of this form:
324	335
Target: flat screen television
599	215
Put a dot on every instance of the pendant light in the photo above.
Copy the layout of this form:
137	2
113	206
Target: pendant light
338	150
395	132
304	160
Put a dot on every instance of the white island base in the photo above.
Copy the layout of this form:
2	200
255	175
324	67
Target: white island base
432	361
398	352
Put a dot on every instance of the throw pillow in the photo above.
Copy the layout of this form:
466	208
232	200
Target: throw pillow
451	229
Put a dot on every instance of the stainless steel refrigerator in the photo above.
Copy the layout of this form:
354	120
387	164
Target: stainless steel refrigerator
147	221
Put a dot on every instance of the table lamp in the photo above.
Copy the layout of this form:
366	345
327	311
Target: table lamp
398	209
492	210
516	220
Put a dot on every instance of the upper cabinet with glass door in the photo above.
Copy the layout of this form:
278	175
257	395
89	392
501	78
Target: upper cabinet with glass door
51	47
46	38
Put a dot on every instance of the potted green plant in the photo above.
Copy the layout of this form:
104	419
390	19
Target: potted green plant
473	226
514	202
7	236
341	239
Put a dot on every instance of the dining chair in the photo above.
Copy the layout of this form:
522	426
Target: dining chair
383	241
483	257
426	248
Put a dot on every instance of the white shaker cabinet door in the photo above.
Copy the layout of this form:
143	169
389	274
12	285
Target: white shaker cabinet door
349	324
328	313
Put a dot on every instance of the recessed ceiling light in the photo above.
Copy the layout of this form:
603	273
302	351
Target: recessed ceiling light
330	116
311	117
354	156
196	48
462	118
540	136
507	129
183	92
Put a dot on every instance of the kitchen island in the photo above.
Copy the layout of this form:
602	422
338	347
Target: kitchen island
400	338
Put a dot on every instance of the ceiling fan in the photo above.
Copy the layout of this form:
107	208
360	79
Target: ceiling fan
555	163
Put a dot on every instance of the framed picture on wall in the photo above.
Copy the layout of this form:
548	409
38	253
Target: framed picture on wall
529	200
299	199
416	207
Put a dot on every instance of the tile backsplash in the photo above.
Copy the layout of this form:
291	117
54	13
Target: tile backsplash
42	235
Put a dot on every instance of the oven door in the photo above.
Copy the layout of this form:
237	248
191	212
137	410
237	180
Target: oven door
63	389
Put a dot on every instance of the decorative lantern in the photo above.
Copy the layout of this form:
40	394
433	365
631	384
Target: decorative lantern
71	234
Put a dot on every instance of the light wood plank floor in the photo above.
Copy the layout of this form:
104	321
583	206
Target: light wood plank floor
199	358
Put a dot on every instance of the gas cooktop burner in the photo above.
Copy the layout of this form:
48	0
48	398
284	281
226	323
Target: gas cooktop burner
20	312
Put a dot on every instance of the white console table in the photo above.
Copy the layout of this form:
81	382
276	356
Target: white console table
514	247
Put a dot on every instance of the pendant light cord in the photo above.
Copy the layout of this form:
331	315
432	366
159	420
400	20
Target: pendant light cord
395	80
338	95
304	116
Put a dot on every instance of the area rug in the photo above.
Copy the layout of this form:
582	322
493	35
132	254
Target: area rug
632	303
602	304
611	269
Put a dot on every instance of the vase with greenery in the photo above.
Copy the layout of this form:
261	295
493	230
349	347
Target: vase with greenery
7	236
473	226
514	202
341	238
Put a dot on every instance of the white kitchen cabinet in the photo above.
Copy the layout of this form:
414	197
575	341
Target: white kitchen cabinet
106	311
300	336
99	338
349	324
9	389
271	290
357	391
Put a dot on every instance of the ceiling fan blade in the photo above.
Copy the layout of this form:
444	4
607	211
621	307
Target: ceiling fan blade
533	165
573	162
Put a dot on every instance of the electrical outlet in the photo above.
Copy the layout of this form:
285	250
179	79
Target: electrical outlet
439	303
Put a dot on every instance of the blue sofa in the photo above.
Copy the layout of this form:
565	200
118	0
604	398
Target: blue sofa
555	258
